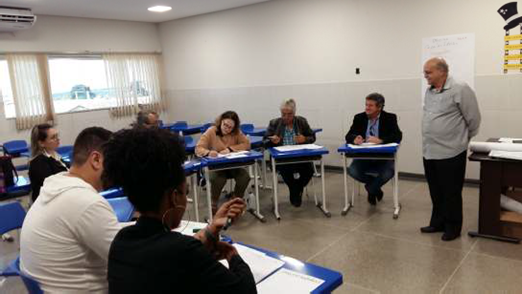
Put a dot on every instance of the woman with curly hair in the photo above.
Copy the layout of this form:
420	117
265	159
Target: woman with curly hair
223	138
149	257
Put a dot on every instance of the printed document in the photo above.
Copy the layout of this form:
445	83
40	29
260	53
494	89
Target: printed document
288	282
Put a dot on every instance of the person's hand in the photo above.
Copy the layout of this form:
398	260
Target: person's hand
225	251
224	151
300	139
373	139
358	140
213	153
275	139
232	209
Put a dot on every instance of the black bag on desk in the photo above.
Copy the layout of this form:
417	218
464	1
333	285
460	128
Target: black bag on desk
7	171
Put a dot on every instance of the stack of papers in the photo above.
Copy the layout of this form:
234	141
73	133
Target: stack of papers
372	145
260	264
234	154
510	140
288	148
288	282
506	154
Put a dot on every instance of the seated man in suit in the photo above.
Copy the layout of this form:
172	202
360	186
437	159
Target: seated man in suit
379	127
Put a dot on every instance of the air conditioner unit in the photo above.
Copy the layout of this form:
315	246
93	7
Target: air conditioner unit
15	19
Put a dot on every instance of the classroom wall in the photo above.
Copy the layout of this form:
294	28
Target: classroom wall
250	59
67	34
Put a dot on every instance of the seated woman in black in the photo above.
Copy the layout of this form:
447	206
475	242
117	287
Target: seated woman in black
149	257
45	160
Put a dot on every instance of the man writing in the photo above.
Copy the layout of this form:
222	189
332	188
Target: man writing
375	126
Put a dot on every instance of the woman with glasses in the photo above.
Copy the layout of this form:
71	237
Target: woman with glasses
45	161
221	139
148	257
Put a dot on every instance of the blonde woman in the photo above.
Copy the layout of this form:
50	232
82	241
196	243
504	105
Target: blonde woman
45	160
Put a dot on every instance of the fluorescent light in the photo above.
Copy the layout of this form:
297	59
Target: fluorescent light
159	8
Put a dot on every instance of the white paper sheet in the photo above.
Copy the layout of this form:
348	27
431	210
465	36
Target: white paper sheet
506	154
486	147
287	148
372	146
234	154
509	140
260	264
187	228
288	282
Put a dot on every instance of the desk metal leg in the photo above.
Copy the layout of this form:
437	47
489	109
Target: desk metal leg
209	197
347	205
256	212
274	186
263	167
396	204
322	206
195	187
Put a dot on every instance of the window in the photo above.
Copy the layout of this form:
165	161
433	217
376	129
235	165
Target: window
6	94
79	83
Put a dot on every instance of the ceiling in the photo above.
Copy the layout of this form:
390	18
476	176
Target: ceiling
134	10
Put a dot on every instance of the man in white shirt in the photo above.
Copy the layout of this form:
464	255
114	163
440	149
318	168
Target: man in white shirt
67	233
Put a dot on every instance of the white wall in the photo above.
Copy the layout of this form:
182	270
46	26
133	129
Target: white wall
65	34
251	58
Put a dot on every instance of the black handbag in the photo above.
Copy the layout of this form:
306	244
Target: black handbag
8	173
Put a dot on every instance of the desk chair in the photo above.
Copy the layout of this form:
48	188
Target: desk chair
205	127
246	128
122	207
31	285
12	217
16	149
65	150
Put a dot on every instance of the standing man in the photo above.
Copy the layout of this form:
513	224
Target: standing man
451	118
377	126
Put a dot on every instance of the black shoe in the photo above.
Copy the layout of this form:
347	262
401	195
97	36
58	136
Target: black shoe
379	195
371	199
447	236
430	229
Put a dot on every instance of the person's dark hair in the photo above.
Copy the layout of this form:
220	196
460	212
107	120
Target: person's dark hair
89	140
228	115
378	98
142	118
146	163
38	134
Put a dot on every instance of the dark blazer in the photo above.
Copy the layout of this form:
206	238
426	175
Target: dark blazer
40	168
144	258
389	131
277	127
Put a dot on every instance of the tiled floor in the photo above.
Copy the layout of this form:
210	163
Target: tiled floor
375	253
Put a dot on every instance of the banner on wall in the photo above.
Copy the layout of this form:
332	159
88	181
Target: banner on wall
512	38
459	53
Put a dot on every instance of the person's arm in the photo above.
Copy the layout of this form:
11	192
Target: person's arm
394	135
212	276
39	169
97	227
203	146
470	110
243	143
352	133
307	132
270	131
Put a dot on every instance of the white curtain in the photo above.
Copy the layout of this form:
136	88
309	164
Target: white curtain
29	75
135	81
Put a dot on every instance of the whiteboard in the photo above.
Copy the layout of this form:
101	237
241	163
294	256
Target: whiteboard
459	53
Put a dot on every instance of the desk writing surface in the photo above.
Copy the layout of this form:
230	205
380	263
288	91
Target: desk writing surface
333	279
249	156
193	165
297	153
22	184
345	148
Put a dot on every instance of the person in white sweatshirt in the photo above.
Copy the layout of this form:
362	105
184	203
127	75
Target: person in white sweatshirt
67	233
